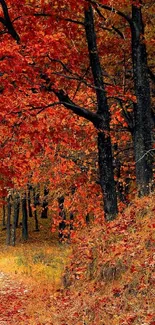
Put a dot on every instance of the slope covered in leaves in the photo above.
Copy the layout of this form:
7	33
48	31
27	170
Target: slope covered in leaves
111	276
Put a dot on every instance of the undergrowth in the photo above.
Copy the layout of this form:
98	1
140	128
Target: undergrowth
109	279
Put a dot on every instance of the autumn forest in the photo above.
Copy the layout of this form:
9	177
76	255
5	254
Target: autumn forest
77	146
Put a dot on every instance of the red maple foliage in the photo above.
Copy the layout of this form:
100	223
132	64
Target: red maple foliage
43	142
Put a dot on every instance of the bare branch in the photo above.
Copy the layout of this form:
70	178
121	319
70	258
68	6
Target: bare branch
61	63
43	14
112	27
115	11
145	154
80	81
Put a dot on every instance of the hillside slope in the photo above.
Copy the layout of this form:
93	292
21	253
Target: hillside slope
111	277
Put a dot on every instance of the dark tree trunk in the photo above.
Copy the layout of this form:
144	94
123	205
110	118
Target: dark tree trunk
24	218
16	205
71	215
107	176
71	220
100	119
62	215
36	202
45	204
16	209
36	220
104	141
13	232
142	131
29	200
8	235
36	196
4	215
87	219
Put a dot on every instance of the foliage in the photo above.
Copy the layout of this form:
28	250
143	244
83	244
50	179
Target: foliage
41	141
111	275
46	77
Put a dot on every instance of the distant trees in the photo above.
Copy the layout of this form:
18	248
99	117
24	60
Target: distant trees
16	213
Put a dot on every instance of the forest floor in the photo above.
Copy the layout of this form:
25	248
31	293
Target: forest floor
23	304
30	274
13	296
110	279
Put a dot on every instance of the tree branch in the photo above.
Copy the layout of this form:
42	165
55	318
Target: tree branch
6	21
43	14
113	28
118	12
80	111
145	154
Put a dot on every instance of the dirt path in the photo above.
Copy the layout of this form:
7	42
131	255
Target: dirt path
21	305
13	300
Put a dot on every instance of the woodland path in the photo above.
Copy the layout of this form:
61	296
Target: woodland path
13	300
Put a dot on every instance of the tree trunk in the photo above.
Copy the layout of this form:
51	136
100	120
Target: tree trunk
16	205
13	232
142	131
107	176
36	202
71	220
36	220
45	204
24	218
8	236
100	119
4	215
16	209
104	141
62	215
29	200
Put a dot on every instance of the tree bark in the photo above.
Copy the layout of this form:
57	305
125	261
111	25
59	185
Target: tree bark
143	123
24	218
8	236
36	202
71	220
104	141
45	204
13	232
29	187
4	215
107	177
16	206
16	209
